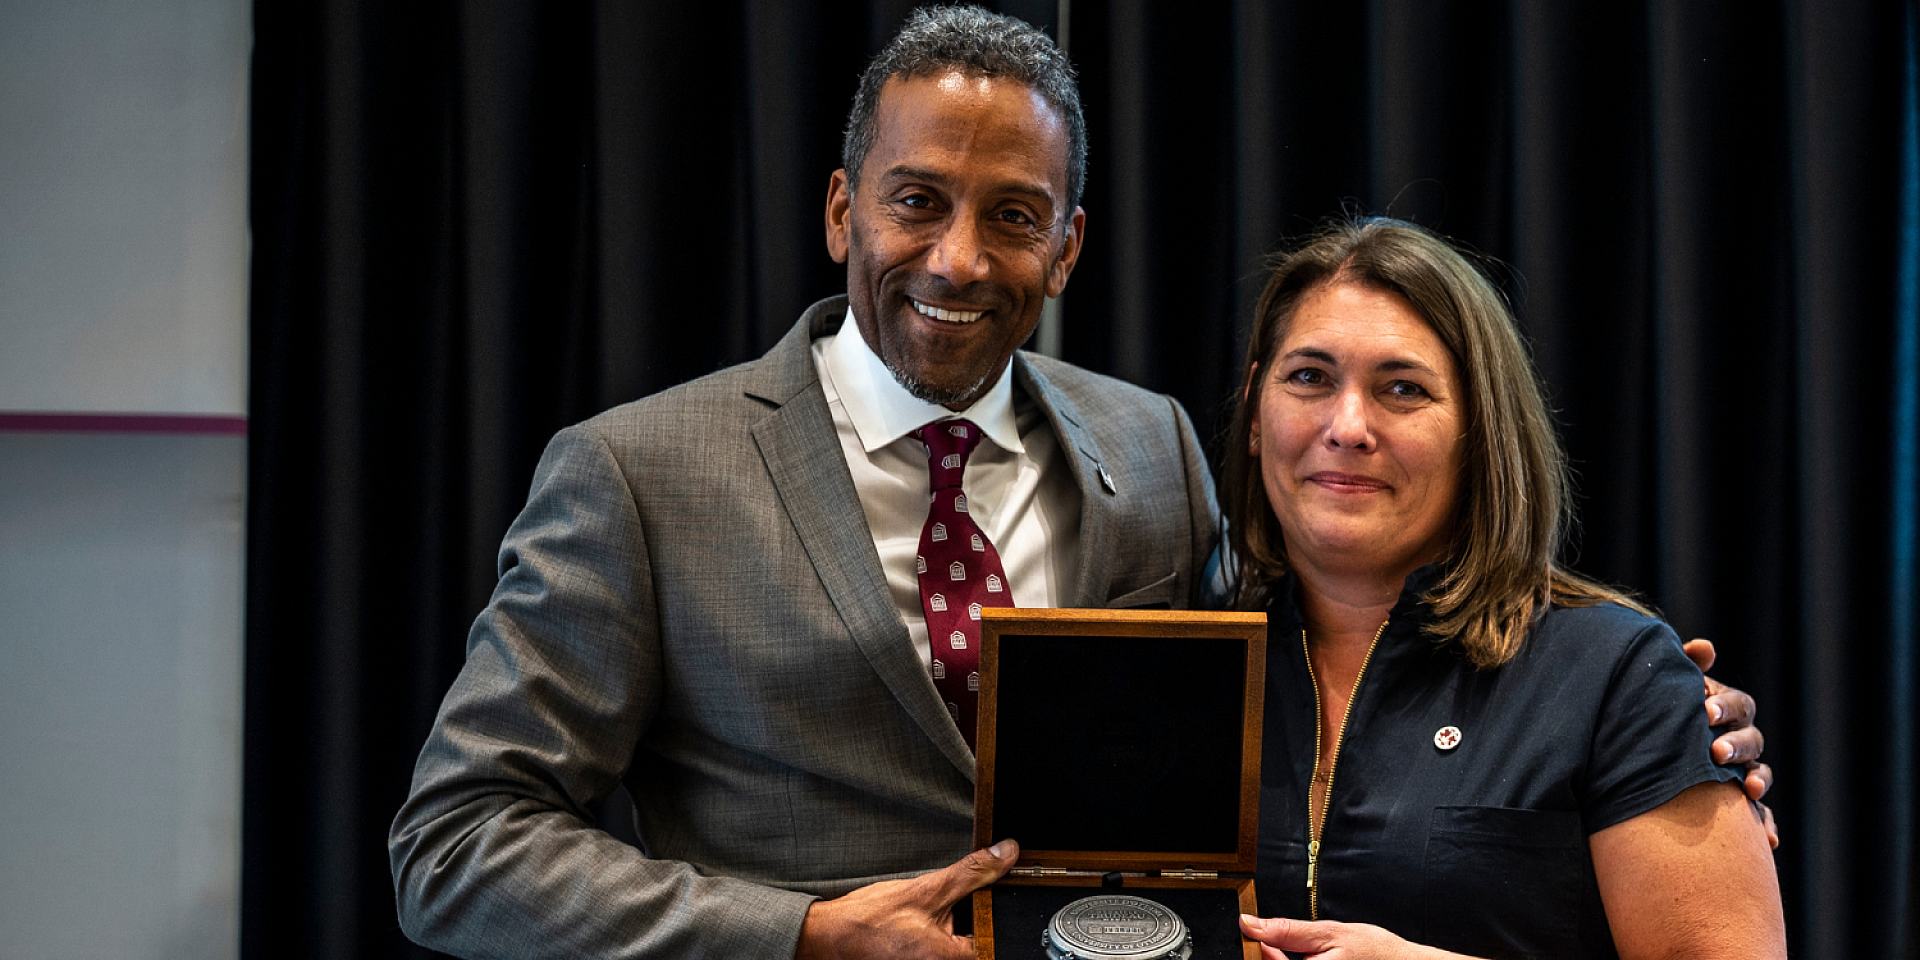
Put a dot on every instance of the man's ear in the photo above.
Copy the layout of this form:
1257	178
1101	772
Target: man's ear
839	207
1069	253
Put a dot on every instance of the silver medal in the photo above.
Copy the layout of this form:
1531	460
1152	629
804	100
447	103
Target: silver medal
1116	927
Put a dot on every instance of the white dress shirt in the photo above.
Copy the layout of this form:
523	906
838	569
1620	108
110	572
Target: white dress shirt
1020	490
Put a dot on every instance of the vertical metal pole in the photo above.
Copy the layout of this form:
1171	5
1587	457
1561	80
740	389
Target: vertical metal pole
1906	506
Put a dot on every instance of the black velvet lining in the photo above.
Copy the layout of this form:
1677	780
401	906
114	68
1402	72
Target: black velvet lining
1119	743
1020	913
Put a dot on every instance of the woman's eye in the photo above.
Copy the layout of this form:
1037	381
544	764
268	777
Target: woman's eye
1406	390
1307	377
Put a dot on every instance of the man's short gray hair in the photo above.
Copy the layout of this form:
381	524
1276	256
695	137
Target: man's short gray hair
978	43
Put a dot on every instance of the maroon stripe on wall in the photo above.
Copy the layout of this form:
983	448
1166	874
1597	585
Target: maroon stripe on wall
178	423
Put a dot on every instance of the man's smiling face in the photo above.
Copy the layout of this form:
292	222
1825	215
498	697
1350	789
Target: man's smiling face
958	231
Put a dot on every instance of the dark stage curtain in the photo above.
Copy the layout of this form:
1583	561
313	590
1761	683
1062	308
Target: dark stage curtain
476	223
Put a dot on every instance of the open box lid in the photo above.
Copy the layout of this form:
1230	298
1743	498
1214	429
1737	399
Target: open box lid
1121	740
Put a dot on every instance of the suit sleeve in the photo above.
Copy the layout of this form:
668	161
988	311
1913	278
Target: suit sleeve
494	853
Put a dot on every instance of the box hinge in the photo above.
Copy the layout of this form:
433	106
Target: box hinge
1188	873
1039	871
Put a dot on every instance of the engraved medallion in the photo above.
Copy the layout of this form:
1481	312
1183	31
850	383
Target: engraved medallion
1116	928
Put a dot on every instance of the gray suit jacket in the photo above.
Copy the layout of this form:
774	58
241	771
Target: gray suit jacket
691	603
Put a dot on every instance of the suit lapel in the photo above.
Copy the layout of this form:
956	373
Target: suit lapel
1097	529
802	454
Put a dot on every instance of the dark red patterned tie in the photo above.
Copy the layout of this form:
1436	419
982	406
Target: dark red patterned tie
959	572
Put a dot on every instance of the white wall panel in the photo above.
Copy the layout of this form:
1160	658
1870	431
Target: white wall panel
123	158
123	270
120	658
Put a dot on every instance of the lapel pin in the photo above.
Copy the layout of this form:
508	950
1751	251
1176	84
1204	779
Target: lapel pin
1106	479
1446	738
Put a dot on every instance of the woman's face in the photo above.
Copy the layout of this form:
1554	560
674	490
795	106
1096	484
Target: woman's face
1358	435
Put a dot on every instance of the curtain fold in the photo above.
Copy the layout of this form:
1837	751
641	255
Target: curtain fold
476	223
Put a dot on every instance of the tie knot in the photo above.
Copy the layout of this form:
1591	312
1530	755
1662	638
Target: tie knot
949	443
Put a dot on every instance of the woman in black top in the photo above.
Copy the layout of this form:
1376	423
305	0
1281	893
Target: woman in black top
1469	747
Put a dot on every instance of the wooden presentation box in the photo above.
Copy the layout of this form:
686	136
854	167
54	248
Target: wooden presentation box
1121	749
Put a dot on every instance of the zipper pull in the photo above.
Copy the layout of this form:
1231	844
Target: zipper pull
1313	863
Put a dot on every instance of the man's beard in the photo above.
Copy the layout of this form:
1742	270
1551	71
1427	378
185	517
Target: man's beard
932	394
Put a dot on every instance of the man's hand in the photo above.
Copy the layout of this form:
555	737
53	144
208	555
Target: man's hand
1732	711
910	919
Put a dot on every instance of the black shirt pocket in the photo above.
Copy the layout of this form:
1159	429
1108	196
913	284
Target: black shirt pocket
1504	882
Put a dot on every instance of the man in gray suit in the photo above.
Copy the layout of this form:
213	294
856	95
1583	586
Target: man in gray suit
712	596
709	595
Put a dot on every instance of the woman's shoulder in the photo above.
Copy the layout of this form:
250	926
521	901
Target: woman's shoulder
1624	673
1602	633
1606	616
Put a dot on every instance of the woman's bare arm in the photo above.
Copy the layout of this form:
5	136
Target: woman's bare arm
1692	878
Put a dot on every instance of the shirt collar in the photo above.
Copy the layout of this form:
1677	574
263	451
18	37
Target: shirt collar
1413	605
882	410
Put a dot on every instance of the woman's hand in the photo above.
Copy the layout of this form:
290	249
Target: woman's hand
1332	940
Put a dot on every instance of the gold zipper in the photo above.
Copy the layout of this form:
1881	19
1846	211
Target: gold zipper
1333	762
